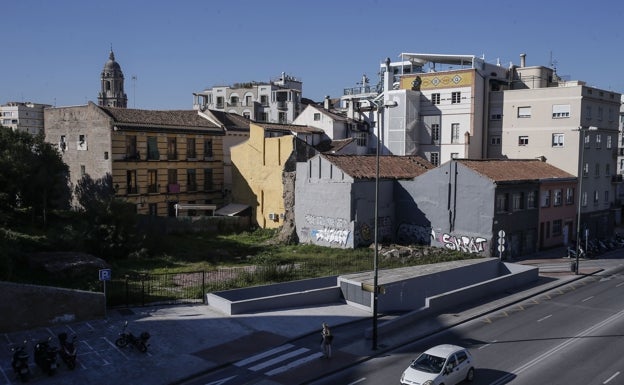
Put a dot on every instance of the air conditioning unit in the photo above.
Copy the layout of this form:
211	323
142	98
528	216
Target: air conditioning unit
272	216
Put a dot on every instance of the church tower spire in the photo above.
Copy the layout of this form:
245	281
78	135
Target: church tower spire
112	81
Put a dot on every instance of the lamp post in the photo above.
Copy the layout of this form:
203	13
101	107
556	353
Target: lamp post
580	199
386	104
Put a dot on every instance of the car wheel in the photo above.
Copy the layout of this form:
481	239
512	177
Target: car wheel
470	375
121	342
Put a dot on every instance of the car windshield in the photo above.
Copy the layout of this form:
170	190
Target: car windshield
428	363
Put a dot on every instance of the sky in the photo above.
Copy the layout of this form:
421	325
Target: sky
54	51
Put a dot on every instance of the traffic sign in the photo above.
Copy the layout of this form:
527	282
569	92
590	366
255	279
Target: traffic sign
105	274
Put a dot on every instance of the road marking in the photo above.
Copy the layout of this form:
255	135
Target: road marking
294	364
486	345
612	377
619	284
544	318
219	382
512	374
587	299
260	356
357	381
277	359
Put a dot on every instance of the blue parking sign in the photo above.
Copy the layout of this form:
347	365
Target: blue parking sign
105	274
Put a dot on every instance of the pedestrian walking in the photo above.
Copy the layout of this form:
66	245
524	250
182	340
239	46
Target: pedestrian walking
326	341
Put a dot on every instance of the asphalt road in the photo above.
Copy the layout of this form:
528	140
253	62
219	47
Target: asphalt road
571	335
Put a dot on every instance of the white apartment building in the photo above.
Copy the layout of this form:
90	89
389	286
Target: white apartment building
276	101
26	116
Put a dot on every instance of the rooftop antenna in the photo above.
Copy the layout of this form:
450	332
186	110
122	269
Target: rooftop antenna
134	79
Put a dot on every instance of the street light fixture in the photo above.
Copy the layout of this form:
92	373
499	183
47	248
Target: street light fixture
582	133
386	104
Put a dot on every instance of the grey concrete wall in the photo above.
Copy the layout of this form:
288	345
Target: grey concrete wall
28	306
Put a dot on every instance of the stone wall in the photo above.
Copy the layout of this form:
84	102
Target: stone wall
26	307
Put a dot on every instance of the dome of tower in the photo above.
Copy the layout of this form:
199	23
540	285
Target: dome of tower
111	65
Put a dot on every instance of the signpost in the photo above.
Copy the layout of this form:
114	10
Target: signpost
501	244
105	275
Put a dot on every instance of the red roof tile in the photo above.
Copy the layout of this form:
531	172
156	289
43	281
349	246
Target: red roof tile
390	166
514	170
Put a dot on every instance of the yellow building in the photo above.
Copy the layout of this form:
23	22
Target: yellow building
261	163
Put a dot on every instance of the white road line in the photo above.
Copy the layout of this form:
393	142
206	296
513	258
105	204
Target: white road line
544	318
260	356
294	364
509	376
619	284
486	345
612	377
357	381
278	359
587	299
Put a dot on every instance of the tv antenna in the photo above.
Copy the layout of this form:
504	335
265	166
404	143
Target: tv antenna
134	79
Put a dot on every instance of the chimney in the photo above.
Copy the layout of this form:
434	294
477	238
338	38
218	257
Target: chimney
522	60
326	103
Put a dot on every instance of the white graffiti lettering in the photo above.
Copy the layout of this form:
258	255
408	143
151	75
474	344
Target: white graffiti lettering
319	221
331	235
464	243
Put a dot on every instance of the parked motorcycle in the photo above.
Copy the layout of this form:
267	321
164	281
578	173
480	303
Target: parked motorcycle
126	338
20	362
45	356
67	350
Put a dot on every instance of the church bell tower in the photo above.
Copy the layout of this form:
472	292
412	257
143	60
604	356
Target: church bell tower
112	79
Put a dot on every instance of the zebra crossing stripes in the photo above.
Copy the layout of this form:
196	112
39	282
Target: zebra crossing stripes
278	355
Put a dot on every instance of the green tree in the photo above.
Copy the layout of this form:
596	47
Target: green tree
32	174
110	230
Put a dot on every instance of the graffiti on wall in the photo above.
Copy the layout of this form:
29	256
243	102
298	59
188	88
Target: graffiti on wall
327	229
462	243
408	233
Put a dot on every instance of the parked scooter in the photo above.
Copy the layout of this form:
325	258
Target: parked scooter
126	338
67	350
20	362
45	356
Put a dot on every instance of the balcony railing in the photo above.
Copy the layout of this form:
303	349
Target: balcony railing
191	187
173	188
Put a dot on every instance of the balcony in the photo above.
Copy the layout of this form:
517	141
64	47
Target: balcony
132	156
172	156
173	188
152	189
131	190
191	187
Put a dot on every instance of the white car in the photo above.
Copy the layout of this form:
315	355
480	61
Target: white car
440	365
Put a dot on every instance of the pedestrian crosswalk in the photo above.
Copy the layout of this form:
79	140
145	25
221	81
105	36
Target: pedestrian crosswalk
278	360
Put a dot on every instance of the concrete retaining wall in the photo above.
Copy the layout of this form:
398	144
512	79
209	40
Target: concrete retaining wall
306	292
24	307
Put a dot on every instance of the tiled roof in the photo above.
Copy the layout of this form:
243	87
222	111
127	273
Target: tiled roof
290	128
390	166
515	170
232	122
188	119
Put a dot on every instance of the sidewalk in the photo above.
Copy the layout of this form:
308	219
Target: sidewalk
193	339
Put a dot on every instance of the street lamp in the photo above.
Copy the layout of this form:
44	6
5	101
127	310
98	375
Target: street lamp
386	104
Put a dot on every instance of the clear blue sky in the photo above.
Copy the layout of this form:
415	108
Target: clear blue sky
54	50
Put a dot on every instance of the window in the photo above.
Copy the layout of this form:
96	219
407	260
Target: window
524	112
152	181
585	169
172	150
131	182
219	101
546	198
435	133
246	115
556	227
131	147
584	199
207	149
586	140
560	111
190	148
361	139
455	97
435	158
105	155
454	155
234	101
598	140
501	203
558	198
83	170
152	148
248	100
63	143
317	116
569	196
557	140
208	179
588	112
495	140
606	196
596	198
607	169
496	113
532	200
518	201
264	117
455	133
523	140
609	141
597	170
264	100
191	180
599	113
281	117
435	98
